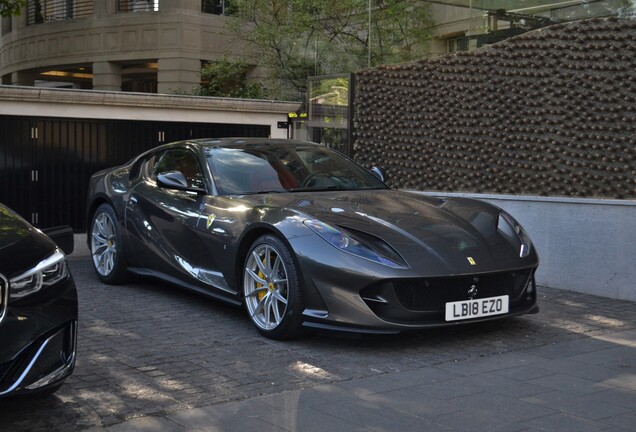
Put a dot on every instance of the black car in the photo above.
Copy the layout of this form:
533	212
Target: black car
38	308
304	237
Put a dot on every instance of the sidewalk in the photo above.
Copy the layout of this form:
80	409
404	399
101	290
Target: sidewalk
161	359
583	385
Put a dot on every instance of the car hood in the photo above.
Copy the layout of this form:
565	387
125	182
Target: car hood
440	234
21	245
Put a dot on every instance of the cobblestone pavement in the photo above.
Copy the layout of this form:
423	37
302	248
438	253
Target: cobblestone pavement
148	349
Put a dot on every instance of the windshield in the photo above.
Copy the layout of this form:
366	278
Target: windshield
271	168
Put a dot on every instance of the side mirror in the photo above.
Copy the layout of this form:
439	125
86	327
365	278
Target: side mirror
379	173
62	236
172	180
176	180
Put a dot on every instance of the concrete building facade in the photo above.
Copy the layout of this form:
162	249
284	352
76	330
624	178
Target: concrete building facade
159	46
113	45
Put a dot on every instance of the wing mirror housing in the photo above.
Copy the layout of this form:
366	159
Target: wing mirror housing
175	180
62	236
172	180
379	173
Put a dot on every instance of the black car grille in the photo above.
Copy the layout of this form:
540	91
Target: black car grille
422	301
433	293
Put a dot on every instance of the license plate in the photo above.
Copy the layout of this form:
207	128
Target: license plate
467	309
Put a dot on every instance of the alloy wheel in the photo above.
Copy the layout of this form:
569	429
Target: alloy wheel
266	287
103	244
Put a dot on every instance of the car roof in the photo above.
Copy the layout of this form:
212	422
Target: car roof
227	143
247	142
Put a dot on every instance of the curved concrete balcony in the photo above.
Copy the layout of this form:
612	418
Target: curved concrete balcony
97	50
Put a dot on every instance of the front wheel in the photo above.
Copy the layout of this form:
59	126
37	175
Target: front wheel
273	296
107	250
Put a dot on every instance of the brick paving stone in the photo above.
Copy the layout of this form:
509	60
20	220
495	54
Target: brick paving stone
565	423
569	384
580	406
147	351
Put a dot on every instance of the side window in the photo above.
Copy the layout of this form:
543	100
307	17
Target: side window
143	167
148	166
184	161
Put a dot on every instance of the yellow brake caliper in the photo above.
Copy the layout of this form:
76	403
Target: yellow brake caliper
261	294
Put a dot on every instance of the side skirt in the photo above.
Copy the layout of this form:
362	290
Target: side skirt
182	284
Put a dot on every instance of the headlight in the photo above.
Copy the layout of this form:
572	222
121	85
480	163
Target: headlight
374	250
515	232
48	272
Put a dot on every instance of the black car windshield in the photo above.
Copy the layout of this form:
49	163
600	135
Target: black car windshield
282	168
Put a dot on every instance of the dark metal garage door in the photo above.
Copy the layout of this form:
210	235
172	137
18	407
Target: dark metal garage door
45	163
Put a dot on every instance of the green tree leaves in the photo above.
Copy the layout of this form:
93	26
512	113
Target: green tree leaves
224	78
300	38
11	7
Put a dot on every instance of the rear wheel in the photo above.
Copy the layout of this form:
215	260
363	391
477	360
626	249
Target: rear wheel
107	250
273	296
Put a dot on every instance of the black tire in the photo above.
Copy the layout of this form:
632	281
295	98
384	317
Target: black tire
107	248
279	279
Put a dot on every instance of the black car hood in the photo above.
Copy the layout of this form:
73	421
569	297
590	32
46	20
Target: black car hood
21	245
436	233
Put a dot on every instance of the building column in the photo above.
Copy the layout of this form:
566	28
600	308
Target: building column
104	8
24	78
106	76
20	21
178	75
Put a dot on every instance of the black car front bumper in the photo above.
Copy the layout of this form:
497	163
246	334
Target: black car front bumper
38	340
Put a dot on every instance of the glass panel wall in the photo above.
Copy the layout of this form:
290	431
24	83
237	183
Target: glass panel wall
464	25
137	5
41	11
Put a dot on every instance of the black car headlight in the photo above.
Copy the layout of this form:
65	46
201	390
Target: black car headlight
515	233
358	244
47	272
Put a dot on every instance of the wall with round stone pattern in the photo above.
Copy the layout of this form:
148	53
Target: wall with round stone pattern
550	112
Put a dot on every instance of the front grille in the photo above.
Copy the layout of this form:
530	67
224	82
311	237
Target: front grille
433	293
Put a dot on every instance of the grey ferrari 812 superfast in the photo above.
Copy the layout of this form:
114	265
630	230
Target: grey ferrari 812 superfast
303	237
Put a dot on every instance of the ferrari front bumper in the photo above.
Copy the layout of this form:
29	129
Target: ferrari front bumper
346	293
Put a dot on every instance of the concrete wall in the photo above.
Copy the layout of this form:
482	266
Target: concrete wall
584	245
29	101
